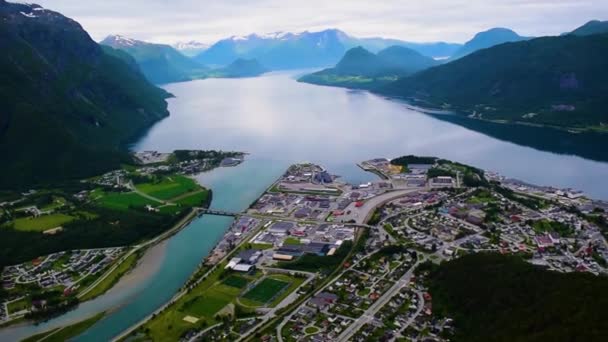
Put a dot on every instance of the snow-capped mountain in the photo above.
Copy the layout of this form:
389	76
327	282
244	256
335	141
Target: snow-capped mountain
286	50
160	63
190	48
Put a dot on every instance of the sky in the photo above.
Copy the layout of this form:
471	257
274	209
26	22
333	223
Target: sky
169	21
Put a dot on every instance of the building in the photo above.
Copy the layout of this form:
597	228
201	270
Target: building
442	182
323	177
281	227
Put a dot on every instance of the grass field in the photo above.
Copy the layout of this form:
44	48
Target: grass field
236	281
211	301
21	304
294	283
41	223
292	241
124	200
196	199
265	290
169	187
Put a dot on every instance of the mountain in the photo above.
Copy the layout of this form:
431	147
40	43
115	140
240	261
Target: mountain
239	68
160	63
592	27
432	49
493	297
486	39
561	81
282	50
68	106
190	48
360	68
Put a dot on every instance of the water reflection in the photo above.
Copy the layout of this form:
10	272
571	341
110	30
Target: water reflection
275	117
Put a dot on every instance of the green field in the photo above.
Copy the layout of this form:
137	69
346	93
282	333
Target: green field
124	200
41	223
196	199
168	187
236	281
265	290
292	241
21	304
212	301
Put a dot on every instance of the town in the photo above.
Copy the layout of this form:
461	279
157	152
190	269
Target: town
317	259
65	225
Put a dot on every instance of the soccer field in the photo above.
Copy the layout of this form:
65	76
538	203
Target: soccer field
265	290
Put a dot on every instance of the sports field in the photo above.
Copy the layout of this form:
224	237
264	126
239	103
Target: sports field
265	290
212	301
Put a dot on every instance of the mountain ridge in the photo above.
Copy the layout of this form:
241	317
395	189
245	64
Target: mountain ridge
286	50
486	39
556	81
160	63
69	106
362	69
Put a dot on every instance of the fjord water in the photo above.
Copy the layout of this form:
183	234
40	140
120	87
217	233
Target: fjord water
279	121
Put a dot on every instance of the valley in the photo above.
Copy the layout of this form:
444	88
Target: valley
302	185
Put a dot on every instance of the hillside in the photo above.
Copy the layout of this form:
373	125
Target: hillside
360	68
592	27
559	81
158	62
284	50
492	297
486	39
67	105
239	68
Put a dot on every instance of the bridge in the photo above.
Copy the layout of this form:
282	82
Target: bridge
205	211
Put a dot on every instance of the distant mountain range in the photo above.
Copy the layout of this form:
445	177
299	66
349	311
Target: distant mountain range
305	49
561	81
160	63
239	68
68	106
359	68
486	39
592	27
190	48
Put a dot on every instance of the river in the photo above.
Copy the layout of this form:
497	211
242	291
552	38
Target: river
279	121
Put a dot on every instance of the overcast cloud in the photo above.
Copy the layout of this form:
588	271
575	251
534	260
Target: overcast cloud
207	21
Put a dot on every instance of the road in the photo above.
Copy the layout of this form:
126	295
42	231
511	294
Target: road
293	296
368	315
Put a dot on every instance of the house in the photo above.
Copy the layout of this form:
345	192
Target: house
323	299
302	212
476	216
543	241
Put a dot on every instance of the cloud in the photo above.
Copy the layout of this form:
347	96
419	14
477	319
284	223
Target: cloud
430	20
